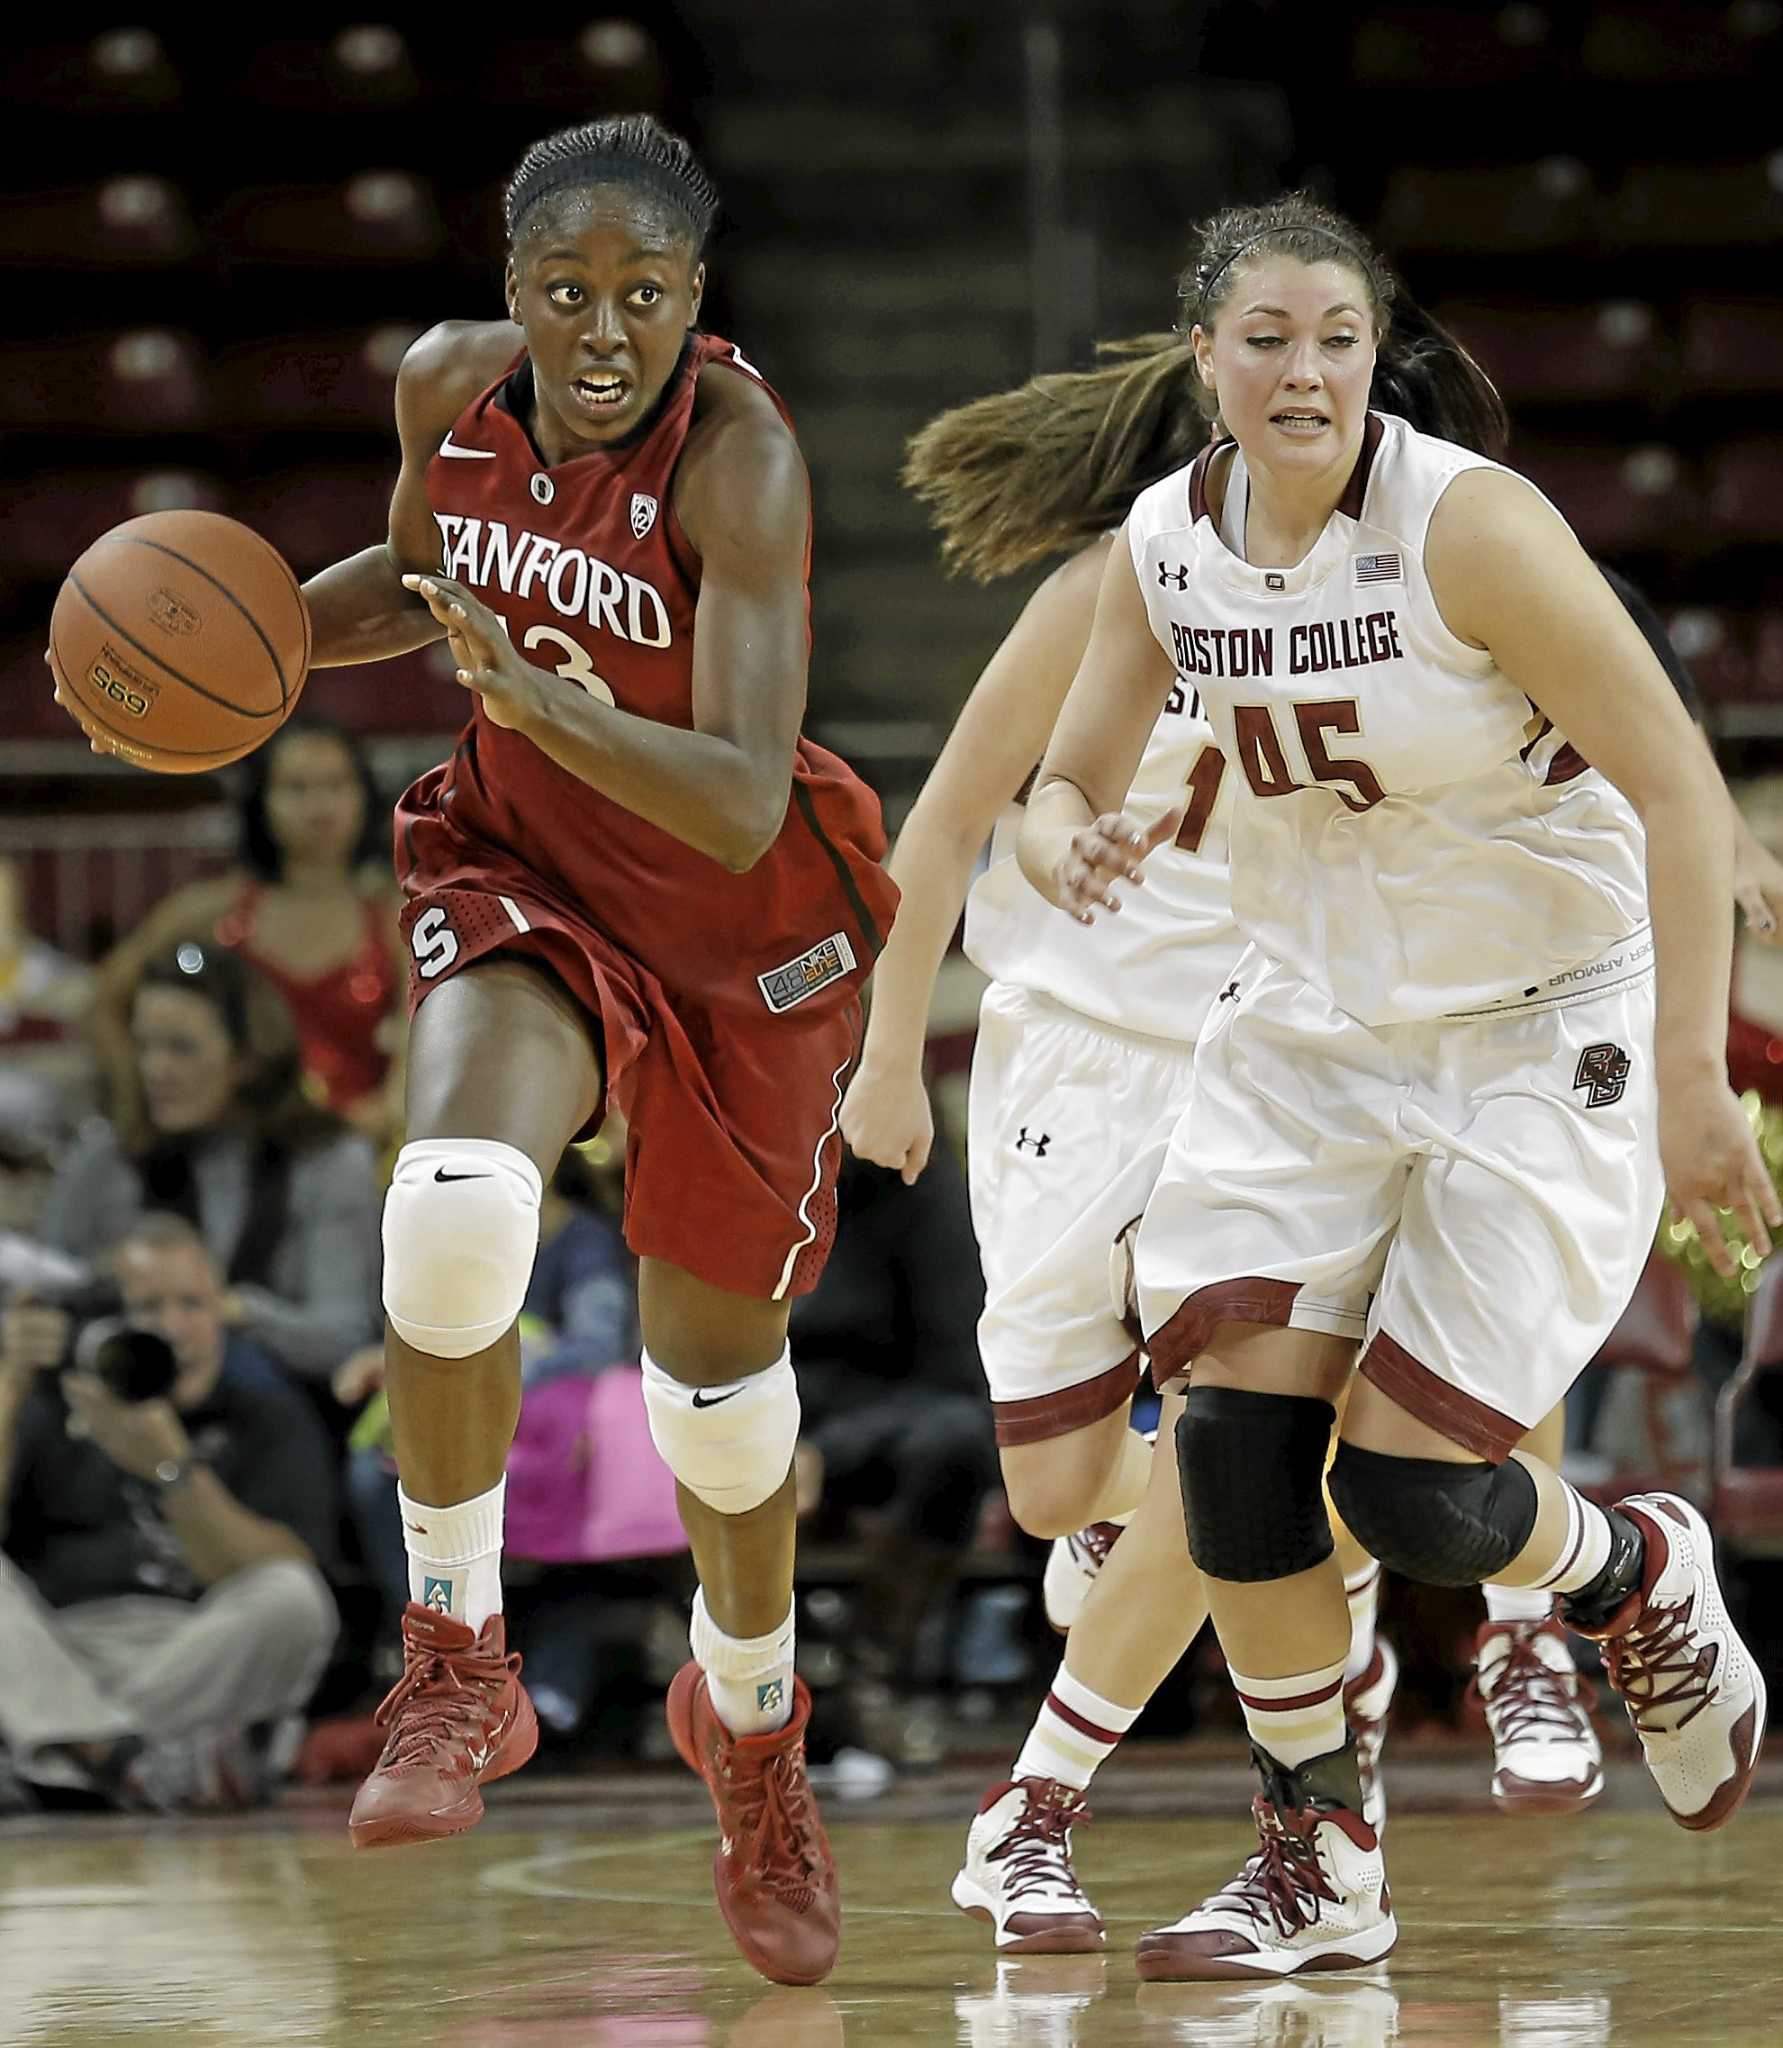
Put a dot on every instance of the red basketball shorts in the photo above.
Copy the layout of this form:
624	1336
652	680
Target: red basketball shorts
734	1142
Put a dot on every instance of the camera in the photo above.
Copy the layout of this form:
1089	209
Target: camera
133	1363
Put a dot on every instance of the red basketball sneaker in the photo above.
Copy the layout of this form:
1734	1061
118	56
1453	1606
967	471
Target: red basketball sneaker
458	1717
773	1872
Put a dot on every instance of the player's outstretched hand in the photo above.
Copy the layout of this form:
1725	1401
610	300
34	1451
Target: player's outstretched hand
1712	1162
1758	888
511	689
886	1118
1107	851
96	740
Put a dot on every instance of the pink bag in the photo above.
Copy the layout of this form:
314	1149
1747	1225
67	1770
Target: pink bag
584	1481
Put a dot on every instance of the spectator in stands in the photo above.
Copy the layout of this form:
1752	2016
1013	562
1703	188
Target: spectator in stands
311	904
283	1193
46	1061
895	1417
162	1610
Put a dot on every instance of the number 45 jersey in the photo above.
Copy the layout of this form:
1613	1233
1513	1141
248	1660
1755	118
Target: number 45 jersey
1409	835
595	581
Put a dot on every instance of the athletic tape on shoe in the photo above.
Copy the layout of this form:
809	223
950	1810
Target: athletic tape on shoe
731	1445
461	1231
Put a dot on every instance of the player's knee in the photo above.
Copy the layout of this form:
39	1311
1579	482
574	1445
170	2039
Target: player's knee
1251	1468
461	1231
730	1445
1051	1499
1445	1524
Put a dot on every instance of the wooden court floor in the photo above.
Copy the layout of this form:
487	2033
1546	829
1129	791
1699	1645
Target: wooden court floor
579	1916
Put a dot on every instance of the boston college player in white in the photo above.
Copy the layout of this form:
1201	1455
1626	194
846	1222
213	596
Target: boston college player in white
1439	1113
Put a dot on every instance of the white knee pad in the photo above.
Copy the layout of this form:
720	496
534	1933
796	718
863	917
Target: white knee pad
731	1445
461	1230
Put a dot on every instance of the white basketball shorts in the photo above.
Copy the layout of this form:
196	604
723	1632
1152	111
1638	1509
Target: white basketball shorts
1470	1199
1067	1124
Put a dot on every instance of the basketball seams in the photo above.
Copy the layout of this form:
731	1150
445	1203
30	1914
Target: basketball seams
137	540
150	654
303	616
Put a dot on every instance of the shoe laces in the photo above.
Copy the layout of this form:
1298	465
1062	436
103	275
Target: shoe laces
1660	1668
1525	1697
442	1694
1285	1879
769	1805
1037	1849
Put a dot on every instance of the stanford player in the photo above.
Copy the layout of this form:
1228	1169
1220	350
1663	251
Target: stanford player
633	878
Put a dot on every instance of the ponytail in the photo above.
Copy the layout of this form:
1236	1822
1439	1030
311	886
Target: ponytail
1425	375
1024	475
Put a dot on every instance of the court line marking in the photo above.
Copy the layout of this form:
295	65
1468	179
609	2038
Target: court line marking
533	1877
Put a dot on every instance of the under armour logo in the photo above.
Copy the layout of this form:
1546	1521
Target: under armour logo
1169	574
1039	1144
1229	994
437	1595
1603	1070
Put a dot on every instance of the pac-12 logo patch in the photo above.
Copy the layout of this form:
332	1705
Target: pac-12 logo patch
643	514
784	988
437	1595
1603	1070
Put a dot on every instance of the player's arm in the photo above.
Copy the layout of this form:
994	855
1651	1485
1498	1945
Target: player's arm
1509	576
998	737
1076	839
721	788
359	609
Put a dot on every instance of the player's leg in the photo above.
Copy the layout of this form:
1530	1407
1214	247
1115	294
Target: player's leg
1546	1757
502	1071
1141	1613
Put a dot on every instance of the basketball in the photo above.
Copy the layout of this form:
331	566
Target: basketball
181	638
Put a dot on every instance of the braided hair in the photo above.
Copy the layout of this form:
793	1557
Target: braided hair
634	150
1421	371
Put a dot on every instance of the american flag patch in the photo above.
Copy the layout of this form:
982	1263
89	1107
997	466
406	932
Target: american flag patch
783	988
1377	569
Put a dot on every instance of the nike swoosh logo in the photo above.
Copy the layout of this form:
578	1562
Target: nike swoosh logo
450	447
718	1401
440	1173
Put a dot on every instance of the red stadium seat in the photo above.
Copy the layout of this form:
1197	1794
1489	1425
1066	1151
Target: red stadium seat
1767	655
1684	206
1562	352
1654	1337
136	220
1409	46
319	515
1615	501
611	67
1733	345
1547	205
1663	43
1746	490
344	379
56	516
123	70
28	707
368	67
413	694
1716	648
377	217
145	380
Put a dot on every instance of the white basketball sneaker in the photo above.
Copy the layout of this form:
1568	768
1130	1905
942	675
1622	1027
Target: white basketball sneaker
1366	1703
1546	1757
1692	1690
1071	1568
1314	1897
1018	1875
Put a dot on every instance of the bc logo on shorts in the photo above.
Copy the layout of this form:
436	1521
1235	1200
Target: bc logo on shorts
1603	1070
784	988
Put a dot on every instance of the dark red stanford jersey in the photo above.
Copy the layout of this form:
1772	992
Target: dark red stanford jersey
591	573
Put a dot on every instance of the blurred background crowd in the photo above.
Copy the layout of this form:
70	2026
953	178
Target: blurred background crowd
212	272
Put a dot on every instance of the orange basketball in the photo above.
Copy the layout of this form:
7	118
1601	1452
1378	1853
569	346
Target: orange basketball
182	639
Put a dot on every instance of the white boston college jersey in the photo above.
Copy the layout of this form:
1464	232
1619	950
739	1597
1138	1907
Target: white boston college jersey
1412	838
1156	964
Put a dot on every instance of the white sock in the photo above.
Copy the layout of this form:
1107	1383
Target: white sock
455	1555
1517	1603
1363	1593
1586	1549
748	1677
1074	1733
1294	1718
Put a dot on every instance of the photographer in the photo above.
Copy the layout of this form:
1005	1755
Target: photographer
161	1606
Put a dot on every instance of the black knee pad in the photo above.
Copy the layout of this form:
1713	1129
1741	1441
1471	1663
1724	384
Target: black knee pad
1448	1525
1251	1466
